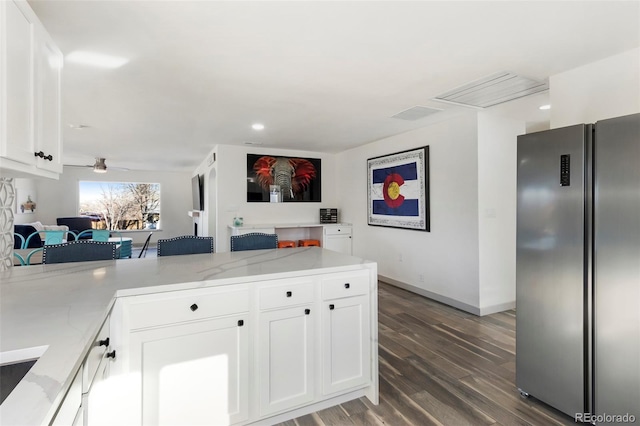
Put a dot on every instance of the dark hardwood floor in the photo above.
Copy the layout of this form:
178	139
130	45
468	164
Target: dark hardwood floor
440	365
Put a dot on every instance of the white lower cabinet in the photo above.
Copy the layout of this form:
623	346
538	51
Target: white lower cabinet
337	238
194	373
346	335
240	353
286	358
345	345
97	401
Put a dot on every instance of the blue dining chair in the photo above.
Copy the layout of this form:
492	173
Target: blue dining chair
20	259
50	237
96	234
186	244
78	251
254	241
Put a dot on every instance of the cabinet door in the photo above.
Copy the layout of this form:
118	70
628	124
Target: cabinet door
98	409
346	344
17	62
339	243
193	373
286	358
48	72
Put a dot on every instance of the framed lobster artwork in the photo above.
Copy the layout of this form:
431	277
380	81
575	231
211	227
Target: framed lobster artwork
283	179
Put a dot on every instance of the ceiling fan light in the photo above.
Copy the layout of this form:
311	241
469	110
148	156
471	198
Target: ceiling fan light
100	166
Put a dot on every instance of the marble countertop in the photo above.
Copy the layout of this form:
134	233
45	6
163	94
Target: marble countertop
56	310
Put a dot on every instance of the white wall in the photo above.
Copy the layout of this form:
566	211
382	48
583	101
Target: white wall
59	198
603	89
446	257
497	210
230	193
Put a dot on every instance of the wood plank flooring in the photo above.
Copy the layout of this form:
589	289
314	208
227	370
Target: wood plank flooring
441	366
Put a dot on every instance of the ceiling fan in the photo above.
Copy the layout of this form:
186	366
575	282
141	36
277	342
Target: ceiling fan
99	166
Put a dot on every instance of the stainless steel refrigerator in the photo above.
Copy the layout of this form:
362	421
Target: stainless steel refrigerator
578	268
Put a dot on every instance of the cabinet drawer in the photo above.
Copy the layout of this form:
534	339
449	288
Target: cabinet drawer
345	285
96	353
293	293
187	305
337	230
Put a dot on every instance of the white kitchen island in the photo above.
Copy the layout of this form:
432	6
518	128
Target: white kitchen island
229	338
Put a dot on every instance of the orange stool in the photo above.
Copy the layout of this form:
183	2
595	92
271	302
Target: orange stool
286	244
308	243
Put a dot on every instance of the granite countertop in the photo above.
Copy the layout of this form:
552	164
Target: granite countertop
56	310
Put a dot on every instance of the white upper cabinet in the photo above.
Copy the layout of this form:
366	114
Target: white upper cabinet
30	89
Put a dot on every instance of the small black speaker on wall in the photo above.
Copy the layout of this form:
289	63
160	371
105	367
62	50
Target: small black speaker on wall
328	215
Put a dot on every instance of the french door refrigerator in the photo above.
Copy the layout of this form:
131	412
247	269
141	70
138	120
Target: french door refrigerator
578	268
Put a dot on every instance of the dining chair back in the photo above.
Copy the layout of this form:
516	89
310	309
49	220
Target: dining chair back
186	244
143	252
96	234
79	251
20	258
254	241
18	241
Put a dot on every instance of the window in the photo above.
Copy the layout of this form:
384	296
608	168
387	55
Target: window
121	205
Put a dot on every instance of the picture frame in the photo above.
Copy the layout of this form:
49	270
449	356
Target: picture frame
277	179
398	190
24	203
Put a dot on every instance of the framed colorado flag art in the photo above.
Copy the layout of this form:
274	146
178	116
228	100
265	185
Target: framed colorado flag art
398	187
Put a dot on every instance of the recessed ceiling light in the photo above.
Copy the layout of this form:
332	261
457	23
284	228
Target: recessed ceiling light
257	126
545	107
96	59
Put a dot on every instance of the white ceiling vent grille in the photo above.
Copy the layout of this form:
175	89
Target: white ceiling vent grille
415	113
493	90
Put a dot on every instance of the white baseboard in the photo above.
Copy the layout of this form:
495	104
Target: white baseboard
449	301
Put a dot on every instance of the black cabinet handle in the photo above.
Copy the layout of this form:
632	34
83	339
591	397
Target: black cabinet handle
111	354
104	342
307	311
193	307
289	294
331	307
347	285
41	155
240	323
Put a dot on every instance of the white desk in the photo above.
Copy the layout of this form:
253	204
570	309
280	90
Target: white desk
332	236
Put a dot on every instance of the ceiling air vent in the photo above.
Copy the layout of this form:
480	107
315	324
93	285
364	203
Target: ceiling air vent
415	113
493	90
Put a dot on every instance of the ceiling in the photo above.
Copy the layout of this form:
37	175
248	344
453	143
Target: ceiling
321	76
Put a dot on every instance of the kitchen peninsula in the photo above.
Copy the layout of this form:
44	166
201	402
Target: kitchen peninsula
225	338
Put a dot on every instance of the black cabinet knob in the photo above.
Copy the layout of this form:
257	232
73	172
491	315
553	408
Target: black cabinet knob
104	342
289	294
111	354
39	154
240	323
331	307
347	285
307	311
48	157
193	307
